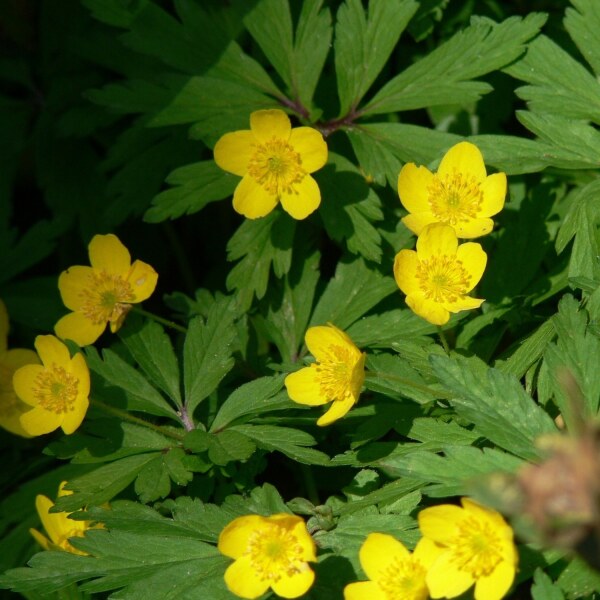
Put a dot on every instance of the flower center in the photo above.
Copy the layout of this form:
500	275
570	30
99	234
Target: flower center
274	551
107	298
404	579
276	166
455	198
476	547
56	390
443	278
335	372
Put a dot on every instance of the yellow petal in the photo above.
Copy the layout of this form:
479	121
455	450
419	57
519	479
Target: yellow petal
109	254
364	590
305	540
72	284
233	151
23	382
77	327
38	421
464	303
311	146
320	338
296	584
242	580
413	188
431	311
270	123
416	222
18	357
358	376
11	409
73	419
405	271
437	239
4	326
42	540
338	409
495	585
427	552
494	194
474	228
378	552
53	522
304	387
474	260
445	580
464	158
51	350
438	523
233	540
302	199
252	200
142	278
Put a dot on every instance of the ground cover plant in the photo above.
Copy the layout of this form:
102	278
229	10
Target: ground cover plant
300	299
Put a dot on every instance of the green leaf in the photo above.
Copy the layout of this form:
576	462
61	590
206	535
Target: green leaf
445	75
352	292
124	383
259	244
543	588
363	44
351	208
115	12
153	481
579	579
495	403
194	186
223	447
583	23
207	352
254	398
288	441
102	484
151	348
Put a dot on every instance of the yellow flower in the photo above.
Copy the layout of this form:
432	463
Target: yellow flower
274	161
337	376
269	552
58	526
460	194
56	391
394	573
11	408
104	292
438	276
477	548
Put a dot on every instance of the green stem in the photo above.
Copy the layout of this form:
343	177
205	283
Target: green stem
165	322
444	341
407	382
122	414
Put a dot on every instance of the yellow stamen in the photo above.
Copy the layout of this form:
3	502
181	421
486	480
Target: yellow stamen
443	278
274	551
335	372
276	166
455	198
476	547
404	579
56	390
107	298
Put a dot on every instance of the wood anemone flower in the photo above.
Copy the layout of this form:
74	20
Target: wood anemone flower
337	375
437	277
269	552
57	391
460	194
104	292
275	162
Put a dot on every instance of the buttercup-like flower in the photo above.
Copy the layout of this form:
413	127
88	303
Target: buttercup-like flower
269	552
438	276
57	390
477	548
394	573
274	161
460	194
11	408
104	292
58	526
337	375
